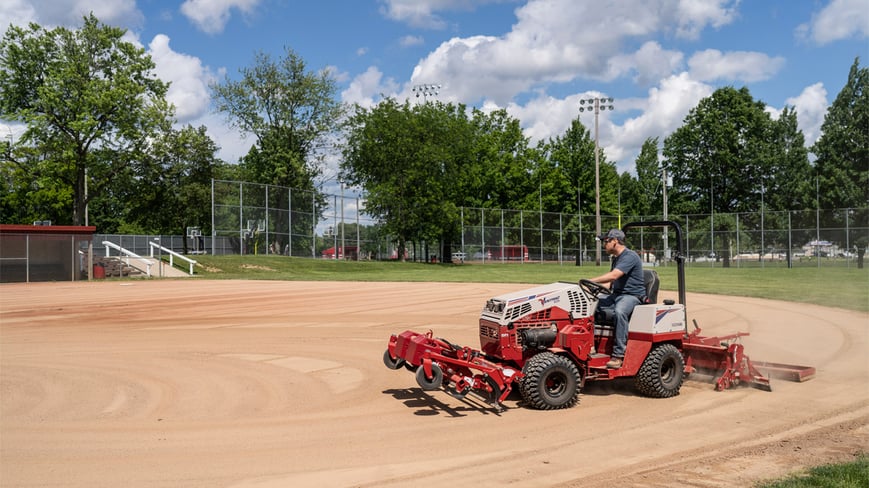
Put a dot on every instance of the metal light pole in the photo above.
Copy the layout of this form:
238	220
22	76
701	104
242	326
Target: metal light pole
597	104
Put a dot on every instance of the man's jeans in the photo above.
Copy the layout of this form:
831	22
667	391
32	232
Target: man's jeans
619	306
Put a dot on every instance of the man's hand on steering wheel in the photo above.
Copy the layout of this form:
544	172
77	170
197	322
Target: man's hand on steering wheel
593	288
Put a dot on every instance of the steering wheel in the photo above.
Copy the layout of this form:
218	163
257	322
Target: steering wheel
593	288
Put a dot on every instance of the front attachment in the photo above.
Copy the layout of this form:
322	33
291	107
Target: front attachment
437	363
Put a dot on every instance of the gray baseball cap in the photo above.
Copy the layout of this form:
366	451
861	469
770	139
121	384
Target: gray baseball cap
612	234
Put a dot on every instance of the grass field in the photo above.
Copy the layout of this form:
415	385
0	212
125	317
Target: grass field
836	287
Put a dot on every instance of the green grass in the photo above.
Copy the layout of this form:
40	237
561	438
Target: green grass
846	288
847	475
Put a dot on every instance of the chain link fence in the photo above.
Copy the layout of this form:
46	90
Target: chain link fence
249	218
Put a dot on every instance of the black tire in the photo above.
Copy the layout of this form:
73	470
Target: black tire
436	380
390	362
551	382
662	372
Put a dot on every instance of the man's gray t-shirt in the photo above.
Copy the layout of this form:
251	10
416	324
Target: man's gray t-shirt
632	283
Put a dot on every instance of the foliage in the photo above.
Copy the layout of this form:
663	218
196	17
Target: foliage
289	110
854	474
730	156
420	162
649	189
843	149
89	103
174	191
723	141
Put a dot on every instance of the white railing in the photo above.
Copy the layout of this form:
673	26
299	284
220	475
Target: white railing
172	255
127	255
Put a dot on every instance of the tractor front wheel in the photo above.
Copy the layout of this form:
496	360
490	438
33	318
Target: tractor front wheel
662	372
390	362
433	383
551	382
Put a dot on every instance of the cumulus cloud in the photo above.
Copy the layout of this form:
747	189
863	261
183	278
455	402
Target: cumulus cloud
811	107
840	19
211	16
712	64
188	78
558	41
693	16
423	13
69	13
648	64
367	88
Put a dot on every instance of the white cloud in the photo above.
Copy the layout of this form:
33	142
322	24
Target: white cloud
421	13
563	40
189	80
694	15
840	19
16	12
211	16
660	114
712	64
811	107
69	13
366	88
408	41
649	64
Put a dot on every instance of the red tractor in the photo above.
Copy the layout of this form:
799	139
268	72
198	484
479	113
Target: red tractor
549	341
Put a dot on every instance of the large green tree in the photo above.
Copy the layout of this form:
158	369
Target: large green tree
89	102
290	111
720	158
409	158
842	151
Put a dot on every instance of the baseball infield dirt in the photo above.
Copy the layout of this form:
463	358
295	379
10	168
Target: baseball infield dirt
281	384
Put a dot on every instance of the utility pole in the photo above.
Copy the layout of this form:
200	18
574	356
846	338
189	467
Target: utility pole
597	107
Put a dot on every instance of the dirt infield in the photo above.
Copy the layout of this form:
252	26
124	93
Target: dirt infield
279	384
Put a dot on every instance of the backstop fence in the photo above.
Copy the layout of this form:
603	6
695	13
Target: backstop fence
250	218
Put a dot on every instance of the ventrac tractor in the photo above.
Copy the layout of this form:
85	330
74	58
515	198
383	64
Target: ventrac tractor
550	340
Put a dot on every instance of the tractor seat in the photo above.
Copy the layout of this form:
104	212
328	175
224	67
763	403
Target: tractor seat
650	279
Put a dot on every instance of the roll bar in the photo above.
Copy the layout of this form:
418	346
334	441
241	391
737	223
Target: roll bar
679	257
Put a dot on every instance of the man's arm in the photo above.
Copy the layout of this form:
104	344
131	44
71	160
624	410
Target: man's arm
609	277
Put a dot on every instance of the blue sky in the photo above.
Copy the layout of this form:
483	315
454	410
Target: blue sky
537	58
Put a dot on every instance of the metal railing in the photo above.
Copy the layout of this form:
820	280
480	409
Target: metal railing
126	255
172	255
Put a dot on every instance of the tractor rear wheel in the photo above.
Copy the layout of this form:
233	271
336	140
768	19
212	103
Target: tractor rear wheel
433	383
551	382
662	372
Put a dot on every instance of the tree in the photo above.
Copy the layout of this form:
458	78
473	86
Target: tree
89	102
408	158
289	110
649	193
842	151
724	142
173	191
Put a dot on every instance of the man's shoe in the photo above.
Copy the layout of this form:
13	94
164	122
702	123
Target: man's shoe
614	363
